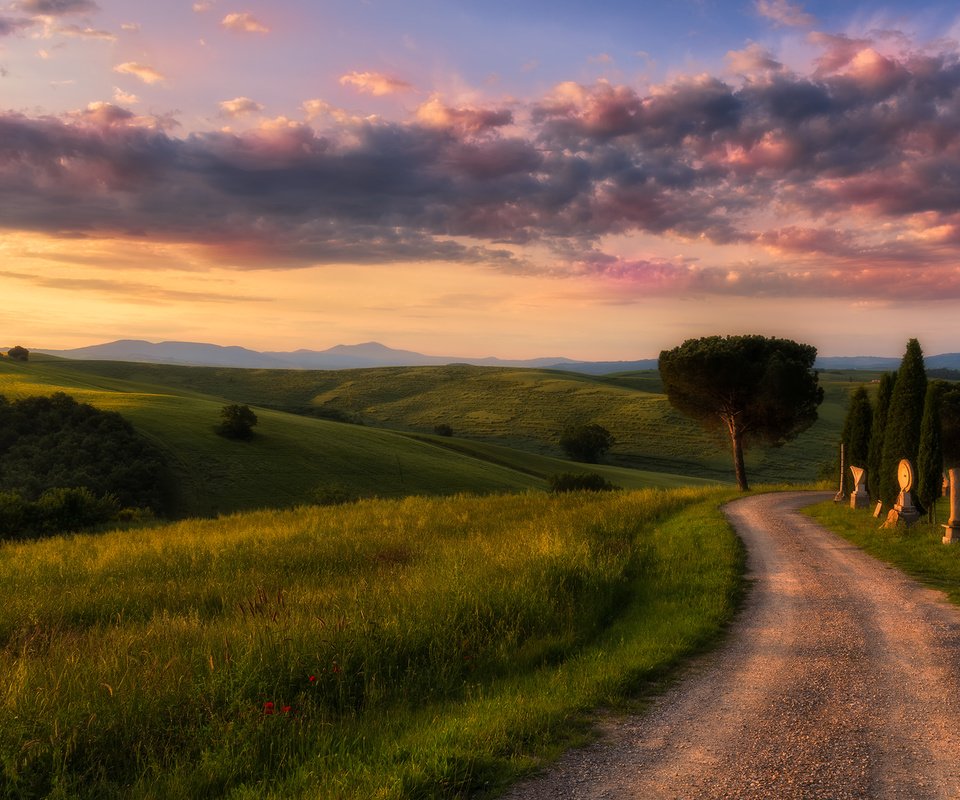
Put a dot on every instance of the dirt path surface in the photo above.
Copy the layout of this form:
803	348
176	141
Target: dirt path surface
841	679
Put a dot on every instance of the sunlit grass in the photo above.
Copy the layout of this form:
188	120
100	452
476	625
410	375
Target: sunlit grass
414	648
919	550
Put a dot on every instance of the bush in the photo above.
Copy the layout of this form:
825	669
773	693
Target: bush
18	353
582	482
55	442
443	429
238	422
57	510
586	442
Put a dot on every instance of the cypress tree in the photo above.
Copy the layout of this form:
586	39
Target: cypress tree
930	456
856	431
879	427
902	436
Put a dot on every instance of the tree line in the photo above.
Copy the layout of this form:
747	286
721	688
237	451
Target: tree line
66	465
911	417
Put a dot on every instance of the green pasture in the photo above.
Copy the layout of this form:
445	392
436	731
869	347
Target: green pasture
522	409
425	647
292	455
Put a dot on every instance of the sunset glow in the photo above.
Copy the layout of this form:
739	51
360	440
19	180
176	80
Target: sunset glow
472	179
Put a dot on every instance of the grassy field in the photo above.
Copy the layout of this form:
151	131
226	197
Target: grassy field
386	649
293	455
517	408
919	550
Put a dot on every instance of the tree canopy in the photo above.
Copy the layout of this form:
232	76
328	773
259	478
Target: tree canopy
237	422
930	453
901	439
856	430
879	426
57	454
758	389
18	353
586	442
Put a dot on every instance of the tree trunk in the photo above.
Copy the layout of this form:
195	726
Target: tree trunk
736	441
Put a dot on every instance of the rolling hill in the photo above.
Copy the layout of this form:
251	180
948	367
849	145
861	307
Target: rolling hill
292	455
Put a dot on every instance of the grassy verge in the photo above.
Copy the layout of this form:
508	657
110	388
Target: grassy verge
389	649
919	550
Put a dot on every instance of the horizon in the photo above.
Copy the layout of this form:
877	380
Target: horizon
503	178
320	348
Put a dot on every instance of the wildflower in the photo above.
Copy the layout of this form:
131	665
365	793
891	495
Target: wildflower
313	679
268	707
285	709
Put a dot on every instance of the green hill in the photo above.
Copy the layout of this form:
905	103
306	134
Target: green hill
291	455
525	409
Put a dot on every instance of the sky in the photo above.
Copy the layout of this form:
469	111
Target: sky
595	180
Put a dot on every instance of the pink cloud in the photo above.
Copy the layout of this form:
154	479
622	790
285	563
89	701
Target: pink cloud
784	13
142	71
374	83
243	22
239	107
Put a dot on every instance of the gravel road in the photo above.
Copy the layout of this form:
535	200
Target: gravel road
840	679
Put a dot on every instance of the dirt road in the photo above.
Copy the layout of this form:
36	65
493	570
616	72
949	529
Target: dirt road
841	679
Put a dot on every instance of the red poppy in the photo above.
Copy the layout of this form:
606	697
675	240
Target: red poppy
268	707
285	709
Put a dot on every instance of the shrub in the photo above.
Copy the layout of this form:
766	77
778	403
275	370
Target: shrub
18	353
580	482
238	422
586	442
443	429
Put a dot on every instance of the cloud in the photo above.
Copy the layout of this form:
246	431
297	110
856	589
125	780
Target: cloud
128	98
374	83
130	27
86	33
203	5
10	25
785	13
239	107
57	8
845	179
243	23
752	60
466	120
141	293
145	73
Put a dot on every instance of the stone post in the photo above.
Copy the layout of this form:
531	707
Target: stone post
951	531
859	497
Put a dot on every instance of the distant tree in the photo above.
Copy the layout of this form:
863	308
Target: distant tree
950	426
18	353
902	436
756	388
878	429
584	482
238	422
856	430
586	442
930	454
443	429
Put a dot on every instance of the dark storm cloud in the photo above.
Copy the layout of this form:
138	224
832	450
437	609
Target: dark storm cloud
870	139
56	8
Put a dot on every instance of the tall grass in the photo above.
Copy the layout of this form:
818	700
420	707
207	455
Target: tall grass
415	648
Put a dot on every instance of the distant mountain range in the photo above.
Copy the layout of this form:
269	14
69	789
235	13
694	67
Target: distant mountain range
343	356
374	354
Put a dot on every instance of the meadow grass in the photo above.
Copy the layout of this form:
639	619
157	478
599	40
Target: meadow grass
386	649
290	455
524	409
918	550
